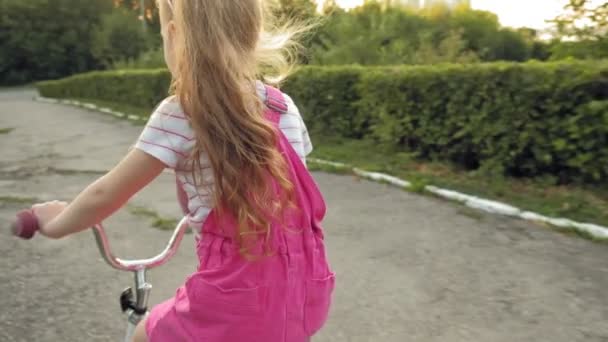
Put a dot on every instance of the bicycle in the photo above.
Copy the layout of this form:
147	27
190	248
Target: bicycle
133	303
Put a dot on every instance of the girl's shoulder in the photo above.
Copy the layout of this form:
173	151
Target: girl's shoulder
170	105
168	135
169	113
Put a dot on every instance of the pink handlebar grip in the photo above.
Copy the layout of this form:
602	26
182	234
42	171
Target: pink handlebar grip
26	225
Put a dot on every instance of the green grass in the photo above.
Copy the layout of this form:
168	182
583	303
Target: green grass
18	200
581	234
6	130
69	172
158	222
576	202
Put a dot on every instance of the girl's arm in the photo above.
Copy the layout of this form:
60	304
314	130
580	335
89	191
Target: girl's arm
100	199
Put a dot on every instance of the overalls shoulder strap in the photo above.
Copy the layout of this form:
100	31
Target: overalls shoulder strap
305	185
275	102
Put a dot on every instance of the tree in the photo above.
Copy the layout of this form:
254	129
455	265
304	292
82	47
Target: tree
509	45
582	31
370	35
539	49
451	49
376	34
330	7
583	21
45	39
119	37
479	29
152	19
581	49
296	9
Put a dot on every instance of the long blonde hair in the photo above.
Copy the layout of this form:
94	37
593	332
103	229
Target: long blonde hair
222	47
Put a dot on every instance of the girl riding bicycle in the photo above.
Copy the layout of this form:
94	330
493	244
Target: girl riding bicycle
238	149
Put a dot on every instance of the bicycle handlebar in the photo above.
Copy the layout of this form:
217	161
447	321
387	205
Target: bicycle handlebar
133	265
26	226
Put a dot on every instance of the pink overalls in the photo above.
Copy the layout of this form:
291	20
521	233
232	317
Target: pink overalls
284	297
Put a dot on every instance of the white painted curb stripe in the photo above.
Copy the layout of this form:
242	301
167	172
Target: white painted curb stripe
381	177
91	106
493	207
474	202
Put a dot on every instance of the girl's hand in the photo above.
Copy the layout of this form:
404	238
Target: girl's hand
46	212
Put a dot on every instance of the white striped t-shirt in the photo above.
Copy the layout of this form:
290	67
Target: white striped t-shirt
169	137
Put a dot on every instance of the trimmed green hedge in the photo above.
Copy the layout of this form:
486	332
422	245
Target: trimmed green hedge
531	119
144	88
328	97
517	119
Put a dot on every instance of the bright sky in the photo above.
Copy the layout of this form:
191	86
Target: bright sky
515	13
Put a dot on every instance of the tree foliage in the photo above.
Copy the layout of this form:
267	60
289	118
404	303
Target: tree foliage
119	37
583	20
42	39
300	9
582	31
377	34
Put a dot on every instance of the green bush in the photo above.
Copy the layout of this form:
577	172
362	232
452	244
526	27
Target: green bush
326	96
531	119
518	119
144	88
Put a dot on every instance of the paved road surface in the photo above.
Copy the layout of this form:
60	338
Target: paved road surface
411	268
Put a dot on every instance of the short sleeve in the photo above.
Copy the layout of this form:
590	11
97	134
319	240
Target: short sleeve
306	139
295	129
168	135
